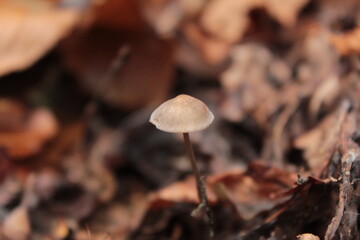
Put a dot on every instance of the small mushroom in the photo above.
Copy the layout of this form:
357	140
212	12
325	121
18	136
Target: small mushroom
184	114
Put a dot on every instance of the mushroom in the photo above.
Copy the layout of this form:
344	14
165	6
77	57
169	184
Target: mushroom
184	114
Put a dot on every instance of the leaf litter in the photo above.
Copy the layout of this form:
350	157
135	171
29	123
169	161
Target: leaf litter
79	159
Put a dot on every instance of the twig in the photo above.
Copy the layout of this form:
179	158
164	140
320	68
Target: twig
345	194
278	130
201	188
204	206
116	64
350	153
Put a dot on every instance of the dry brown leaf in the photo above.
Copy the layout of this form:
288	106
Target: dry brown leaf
12	114
28	30
184	191
229	19
213	51
260	84
284	11
319	143
143	78
166	16
259	188
347	43
319	54
246	84
36	129
192	7
197	52
119	220
119	14
287	220
68	136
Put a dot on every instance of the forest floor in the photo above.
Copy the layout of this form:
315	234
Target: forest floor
78	83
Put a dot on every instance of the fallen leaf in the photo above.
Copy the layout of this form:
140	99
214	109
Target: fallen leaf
106	13
347	43
319	143
119	220
229	19
12	114
286	221
246	85
142	79
285	12
184	191
27	140
29	29
213	51
259	188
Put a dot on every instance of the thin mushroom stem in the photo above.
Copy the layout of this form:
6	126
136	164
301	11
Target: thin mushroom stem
194	167
200	186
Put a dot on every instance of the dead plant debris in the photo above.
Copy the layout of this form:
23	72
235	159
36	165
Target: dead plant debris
79	80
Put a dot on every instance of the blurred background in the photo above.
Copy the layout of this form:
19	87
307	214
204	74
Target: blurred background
79	80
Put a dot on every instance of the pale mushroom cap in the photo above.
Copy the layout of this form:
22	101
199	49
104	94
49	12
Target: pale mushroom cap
182	114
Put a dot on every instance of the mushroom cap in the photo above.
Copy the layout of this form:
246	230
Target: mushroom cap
182	114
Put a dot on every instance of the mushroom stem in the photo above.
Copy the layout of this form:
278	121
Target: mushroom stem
200	186
194	167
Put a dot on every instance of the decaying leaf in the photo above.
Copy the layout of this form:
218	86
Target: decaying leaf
222	23
136	78
347	43
259	188
12	114
30	134
286	221
106	13
119	220
29	29
253	191
213	51
229	19
281	76
319	143
246	85
144	77
184	191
